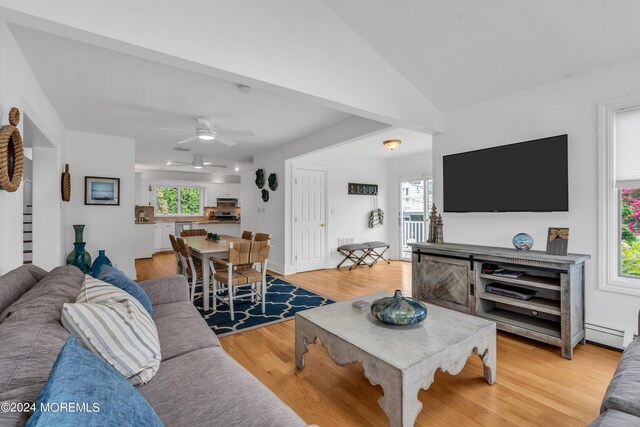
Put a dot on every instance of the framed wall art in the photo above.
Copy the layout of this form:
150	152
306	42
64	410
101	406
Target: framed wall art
101	191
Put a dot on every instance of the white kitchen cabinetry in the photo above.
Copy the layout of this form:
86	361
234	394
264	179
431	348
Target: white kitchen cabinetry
161	235
215	191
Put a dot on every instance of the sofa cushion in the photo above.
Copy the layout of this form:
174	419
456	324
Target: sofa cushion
16	282
114	325
32	336
61	285
613	418
205	387
623	391
117	278
181	329
82	378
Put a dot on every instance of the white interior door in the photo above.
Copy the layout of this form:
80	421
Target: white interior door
309	219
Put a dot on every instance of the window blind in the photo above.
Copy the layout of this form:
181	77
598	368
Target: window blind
627	146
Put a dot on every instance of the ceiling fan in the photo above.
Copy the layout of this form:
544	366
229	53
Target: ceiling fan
207	131
197	163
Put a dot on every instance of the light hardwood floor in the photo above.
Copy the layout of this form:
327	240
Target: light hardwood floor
535	385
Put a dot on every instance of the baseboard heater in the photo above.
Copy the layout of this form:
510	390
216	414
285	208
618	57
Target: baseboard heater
607	336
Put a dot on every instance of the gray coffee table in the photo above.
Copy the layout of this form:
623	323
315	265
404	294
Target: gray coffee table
401	359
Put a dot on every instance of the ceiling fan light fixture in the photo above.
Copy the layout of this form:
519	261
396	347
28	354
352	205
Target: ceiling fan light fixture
237	169
168	163
198	166
391	143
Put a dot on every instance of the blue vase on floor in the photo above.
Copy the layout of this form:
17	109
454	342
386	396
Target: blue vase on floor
79	259
101	261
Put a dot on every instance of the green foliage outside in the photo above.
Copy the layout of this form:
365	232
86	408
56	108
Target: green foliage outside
167	200
190	201
630	232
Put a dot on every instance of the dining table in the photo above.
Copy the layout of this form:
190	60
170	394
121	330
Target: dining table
203	248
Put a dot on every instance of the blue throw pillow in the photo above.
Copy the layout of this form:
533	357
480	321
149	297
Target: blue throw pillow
117	278
84	390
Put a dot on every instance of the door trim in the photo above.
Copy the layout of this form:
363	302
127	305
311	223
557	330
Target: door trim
325	169
425	202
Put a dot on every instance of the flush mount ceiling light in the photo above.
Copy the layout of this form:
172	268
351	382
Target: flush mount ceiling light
206	134
168	163
237	169
391	143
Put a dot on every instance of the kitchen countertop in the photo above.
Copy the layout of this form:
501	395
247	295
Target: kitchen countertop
209	221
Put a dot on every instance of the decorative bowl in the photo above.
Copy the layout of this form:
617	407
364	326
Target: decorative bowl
398	310
522	241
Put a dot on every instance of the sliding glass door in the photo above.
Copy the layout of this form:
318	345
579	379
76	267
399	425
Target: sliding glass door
416	196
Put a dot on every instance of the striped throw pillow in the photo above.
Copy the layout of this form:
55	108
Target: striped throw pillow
114	325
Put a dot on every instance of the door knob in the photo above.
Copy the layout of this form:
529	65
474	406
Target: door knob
321	225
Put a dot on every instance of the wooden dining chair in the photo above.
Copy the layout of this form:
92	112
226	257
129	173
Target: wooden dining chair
248	235
262	237
257	275
192	265
227	279
176	252
193	232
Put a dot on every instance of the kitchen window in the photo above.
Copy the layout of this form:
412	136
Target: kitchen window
177	201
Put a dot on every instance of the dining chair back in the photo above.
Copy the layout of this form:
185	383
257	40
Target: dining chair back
190	270
228	277
248	235
262	237
193	232
176	252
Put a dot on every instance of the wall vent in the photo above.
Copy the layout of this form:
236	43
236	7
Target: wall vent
181	149
345	241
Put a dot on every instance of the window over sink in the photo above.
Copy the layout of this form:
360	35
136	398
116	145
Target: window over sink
174	200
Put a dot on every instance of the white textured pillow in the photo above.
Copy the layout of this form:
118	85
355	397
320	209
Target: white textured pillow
114	325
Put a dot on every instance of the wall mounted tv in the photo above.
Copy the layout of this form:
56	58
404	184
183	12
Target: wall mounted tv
528	176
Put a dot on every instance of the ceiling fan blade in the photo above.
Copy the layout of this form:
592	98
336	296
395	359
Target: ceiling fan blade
176	130
179	163
236	132
214	166
226	141
187	140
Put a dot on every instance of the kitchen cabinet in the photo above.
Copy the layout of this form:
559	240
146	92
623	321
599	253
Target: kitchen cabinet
215	191
161	235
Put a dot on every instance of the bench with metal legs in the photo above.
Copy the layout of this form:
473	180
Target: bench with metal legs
356	252
377	250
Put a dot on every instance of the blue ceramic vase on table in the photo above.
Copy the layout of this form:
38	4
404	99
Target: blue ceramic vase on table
522	241
79	231
79	259
101	261
398	310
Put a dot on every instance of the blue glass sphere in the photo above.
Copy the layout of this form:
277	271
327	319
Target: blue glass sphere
522	241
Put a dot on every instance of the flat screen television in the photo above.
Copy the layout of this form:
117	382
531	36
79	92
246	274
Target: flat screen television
528	176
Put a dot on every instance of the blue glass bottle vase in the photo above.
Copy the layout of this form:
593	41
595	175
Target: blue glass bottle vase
79	259
79	231
100	262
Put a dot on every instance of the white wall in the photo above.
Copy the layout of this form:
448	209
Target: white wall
418	165
106	227
349	214
566	106
19	88
277	211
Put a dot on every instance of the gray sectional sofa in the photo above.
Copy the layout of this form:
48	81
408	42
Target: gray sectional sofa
198	383
621	403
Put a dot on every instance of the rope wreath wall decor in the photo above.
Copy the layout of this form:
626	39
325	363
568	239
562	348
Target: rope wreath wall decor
65	184
11	153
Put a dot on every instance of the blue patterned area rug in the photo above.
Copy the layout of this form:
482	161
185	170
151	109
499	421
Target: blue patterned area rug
284	300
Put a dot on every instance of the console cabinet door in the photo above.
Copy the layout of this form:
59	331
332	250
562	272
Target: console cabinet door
446	282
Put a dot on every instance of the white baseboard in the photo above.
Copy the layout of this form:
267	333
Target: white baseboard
605	336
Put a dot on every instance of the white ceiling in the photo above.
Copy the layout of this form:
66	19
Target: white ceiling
103	91
412	143
464	52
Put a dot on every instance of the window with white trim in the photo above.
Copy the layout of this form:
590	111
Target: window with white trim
620	195
172	200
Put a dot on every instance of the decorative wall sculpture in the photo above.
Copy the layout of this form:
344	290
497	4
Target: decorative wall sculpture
260	178
273	181
11	153
65	184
